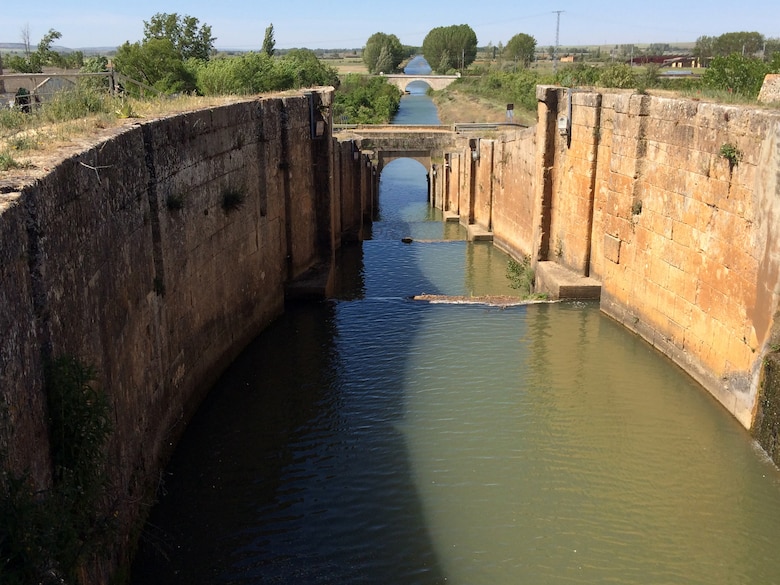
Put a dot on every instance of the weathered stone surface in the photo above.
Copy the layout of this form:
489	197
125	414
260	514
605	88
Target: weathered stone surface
642	198
770	90
155	257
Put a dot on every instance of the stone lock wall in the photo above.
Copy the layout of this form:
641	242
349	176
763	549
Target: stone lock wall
638	192
155	257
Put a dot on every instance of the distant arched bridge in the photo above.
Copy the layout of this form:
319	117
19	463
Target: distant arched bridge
435	82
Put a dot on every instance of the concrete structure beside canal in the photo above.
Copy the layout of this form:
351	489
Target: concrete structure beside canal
157	254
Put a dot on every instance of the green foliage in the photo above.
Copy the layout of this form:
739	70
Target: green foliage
46	536
385	60
521	276
78	103
735	73
155	62
245	74
232	199
617	75
742	43
174	202
8	162
450	47
269	44
305	70
650	76
189	40
365	100
43	56
383	53
257	73
515	88
731	153
521	49
95	65
578	75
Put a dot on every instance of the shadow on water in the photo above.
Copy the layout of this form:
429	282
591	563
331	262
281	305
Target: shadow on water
294	469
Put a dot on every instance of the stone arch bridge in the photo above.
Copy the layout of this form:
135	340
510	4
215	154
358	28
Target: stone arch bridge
386	143
435	82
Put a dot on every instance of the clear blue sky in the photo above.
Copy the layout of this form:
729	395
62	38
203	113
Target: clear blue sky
307	23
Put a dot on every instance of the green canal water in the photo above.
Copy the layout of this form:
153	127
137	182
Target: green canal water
371	438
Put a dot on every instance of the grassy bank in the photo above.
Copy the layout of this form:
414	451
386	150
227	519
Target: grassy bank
457	106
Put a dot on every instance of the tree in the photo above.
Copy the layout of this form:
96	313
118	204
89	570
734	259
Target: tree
366	100
44	55
450	47
373	49
742	43
157	63
385	60
771	48
703	49
521	49
269	43
187	38
305	70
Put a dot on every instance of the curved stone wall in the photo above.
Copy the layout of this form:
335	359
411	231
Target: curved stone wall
155	257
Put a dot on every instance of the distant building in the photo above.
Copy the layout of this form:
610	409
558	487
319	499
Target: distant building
685	61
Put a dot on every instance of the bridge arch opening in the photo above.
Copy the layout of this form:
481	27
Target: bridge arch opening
386	157
417	87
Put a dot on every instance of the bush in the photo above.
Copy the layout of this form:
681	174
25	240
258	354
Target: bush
736	74
617	75
46	536
365	100
258	73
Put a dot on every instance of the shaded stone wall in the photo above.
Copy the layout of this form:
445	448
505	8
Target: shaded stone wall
155	257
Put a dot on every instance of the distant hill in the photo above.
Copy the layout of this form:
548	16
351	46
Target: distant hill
19	48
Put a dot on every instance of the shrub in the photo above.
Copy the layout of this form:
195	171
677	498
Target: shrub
46	536
736	73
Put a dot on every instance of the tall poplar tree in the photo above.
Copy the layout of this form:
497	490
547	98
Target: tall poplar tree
269	44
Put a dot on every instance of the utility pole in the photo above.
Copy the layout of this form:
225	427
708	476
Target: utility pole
557	31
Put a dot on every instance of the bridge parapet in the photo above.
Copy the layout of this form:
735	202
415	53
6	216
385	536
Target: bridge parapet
435	82
390	142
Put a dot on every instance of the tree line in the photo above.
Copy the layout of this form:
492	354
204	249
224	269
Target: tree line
447	49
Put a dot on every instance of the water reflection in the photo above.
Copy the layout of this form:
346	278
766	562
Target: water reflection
374	439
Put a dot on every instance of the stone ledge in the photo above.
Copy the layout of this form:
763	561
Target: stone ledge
478	234
561	283
451	216
315	283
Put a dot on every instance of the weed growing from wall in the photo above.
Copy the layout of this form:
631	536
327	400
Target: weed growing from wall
732	154
46	536
232	199
174	202
521	276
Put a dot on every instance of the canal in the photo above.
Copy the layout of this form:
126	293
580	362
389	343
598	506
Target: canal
371	438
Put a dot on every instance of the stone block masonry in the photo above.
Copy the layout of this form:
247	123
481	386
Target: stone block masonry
672	205
155	257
